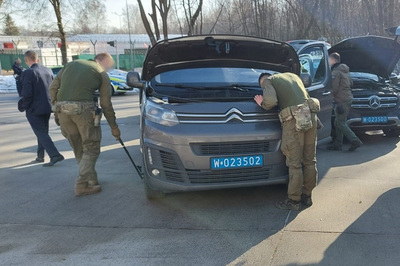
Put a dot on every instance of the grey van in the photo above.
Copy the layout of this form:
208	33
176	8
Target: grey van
200	127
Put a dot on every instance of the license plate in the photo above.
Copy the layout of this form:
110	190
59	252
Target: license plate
375	120
236	162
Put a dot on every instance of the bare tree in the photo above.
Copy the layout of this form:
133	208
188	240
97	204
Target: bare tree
91	17
41	7
162	8
56	4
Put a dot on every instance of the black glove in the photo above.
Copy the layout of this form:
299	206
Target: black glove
21	107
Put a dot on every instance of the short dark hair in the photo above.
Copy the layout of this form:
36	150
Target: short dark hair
265	74
336	56
102	56
32	55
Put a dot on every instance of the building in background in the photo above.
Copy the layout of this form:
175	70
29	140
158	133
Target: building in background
78	46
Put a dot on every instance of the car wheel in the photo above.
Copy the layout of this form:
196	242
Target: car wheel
152	194
112	90
392	133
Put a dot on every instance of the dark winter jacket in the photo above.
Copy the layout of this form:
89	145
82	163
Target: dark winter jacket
17	70
35	89
341	83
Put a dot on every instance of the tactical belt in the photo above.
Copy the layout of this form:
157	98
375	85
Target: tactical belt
73	108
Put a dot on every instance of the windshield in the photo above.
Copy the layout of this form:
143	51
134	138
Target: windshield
361	75
208	83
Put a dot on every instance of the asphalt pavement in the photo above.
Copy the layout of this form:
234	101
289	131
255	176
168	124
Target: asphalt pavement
354	220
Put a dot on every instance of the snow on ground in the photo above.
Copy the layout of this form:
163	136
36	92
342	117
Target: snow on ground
7	84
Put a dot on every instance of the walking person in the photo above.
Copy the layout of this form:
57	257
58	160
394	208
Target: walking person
299	133
343	98
36	102
72	94
18	69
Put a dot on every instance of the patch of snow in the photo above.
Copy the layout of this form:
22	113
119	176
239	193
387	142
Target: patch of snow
7	84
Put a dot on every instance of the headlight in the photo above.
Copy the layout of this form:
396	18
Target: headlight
160	115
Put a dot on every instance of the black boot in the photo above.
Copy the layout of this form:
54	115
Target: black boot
355	145
54	160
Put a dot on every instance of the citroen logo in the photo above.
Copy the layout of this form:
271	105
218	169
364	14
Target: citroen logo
234	114
375	102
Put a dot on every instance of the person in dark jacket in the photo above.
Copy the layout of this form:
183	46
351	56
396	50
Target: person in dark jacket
18	69
36	102
343	98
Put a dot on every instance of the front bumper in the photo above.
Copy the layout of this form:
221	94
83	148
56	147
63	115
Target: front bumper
185	165
123	89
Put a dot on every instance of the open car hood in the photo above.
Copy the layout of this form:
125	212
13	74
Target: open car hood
369	54
219	51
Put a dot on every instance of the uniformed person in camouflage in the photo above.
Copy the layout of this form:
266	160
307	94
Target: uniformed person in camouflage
72	93
298	143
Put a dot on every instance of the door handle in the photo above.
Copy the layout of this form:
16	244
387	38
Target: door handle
327	93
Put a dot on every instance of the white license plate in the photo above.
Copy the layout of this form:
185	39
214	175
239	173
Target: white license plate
237	162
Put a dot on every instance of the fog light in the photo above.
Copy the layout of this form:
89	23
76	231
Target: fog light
150	157
155	172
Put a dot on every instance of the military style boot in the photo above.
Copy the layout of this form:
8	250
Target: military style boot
306	200
84	189
288	204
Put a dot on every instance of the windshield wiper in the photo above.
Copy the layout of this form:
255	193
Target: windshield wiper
238	87
168	98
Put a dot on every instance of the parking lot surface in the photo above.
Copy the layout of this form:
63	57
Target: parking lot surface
354	220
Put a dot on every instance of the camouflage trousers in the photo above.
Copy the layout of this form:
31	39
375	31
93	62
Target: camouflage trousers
299	147
84	139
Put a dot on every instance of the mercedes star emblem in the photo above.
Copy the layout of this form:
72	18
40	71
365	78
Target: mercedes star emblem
374	102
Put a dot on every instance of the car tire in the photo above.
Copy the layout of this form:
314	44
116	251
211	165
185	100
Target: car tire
152	194
392	133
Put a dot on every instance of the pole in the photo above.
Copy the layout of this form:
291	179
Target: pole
116	53
138	168
55	42
16	48
94	46
130	37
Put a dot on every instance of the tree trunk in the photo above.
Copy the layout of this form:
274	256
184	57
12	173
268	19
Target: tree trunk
192	20
57	9
163	8
146	23
155	19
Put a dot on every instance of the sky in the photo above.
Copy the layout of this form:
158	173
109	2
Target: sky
115	8
119	7
112	6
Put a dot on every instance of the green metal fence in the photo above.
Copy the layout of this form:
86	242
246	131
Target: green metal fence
7	60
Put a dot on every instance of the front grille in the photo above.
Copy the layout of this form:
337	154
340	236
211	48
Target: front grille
226	176
374	102
170	164
168	161
232	115
212	149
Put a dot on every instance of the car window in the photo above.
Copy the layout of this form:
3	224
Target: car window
211	76
360	75
312	62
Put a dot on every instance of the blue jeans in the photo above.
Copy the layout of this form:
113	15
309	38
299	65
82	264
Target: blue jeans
40	126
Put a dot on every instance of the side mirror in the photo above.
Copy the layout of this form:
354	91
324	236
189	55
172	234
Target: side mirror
133	80
306	78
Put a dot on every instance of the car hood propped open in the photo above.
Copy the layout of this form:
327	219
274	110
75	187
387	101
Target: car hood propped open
369	54
220	51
